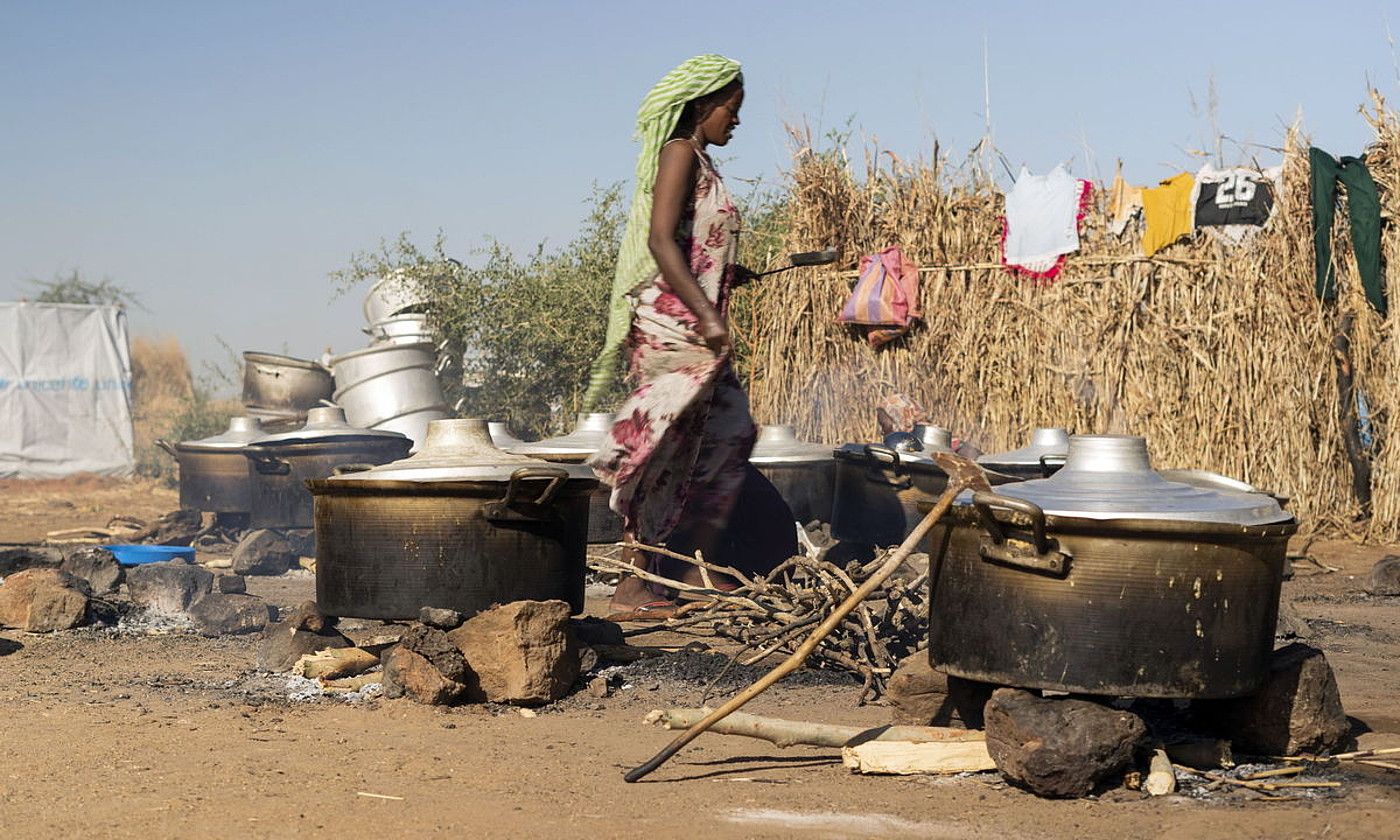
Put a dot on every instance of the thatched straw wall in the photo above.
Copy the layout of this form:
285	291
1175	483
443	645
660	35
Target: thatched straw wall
1220	356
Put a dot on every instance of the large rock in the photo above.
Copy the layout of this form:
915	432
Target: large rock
433	645
168	588
1059	747
263	552
922	696
1298	710
308	616
97	566
20	557
227	614
285	643
440	617
230	584
43	600
409	674
1385	576
522	652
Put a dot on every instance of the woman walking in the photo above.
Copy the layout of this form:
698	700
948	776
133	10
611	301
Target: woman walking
677	458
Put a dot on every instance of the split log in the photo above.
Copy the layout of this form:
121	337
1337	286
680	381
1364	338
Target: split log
900	758
1161	779
787	733
334	663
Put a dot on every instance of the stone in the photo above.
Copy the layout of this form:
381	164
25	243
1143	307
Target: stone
922	696
521	652
597	631
440	617
598	687
20	557
409	674
230	584
284	644
263	552
1297	711
1291	624
308	616
43	600
1059	747
588	659
433	645
1385	576
97	566
168	588
229	614
302	541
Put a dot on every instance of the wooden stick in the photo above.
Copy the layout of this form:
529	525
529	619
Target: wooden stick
1367	753
962	474
1278	771
787	733
896	758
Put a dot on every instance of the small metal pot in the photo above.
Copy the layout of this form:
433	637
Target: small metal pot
278	466
283	383
213	471
461	525
391	386
1039	459
803	473
401	329
877	493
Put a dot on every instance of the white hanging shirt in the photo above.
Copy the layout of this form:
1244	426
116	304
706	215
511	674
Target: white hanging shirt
1042	221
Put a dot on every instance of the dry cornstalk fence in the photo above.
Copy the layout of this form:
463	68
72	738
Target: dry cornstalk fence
1219	355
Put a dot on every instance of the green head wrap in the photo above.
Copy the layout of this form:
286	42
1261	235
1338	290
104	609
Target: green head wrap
656	120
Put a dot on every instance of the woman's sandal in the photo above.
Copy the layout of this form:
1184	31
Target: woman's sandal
658	610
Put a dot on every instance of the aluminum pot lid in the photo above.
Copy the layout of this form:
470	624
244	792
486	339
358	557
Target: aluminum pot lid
1044	442
459	450
590	430
779	445
241	431
501	436
877	455
322	424
256	357
1111	477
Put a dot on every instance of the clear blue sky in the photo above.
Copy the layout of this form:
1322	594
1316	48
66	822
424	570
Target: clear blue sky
221	159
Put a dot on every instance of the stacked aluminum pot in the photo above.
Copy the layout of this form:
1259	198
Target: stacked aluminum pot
461	524
279	390
588	435
1107	578
803	473
392	387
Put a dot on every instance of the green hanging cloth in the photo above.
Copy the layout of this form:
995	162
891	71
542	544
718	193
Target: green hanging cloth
1364	210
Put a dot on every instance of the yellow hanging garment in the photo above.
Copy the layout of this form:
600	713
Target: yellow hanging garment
1167	210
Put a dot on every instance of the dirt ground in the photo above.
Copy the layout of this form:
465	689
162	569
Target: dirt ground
129	735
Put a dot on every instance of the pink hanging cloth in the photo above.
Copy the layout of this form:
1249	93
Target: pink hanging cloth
886	296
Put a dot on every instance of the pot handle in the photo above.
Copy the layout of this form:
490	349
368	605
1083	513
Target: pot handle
351	468
167	446
883	454
1046	460
1042	555
271	465
512	507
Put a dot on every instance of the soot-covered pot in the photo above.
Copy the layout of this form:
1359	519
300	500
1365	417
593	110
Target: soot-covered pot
213	471
803	473
589	432
461	524
878	488
1108	579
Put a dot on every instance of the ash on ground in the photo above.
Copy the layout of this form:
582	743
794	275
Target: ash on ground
698	669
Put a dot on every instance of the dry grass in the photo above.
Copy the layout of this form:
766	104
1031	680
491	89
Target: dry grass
1221	357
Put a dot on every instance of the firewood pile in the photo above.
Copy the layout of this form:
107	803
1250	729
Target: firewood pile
773	614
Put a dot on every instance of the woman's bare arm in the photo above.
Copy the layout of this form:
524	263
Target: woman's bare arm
674	175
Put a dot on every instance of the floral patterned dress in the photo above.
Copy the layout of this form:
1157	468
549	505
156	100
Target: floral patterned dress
681	442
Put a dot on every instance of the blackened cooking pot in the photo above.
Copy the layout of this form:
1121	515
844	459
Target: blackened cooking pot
804	474
589	433
278	466
461	525
213	471
1107	579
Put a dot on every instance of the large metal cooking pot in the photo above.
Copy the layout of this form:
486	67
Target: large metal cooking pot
213	471
391	387
283	383
588	435
401	329
1039	459
803	473
1108	579
501	436
461	525
392	295
878	490
278	466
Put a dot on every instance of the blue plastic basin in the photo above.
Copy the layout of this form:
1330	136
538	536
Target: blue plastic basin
135	555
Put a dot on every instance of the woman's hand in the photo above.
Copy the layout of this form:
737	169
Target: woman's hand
715	332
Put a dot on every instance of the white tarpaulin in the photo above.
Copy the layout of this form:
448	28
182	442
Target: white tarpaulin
65	391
